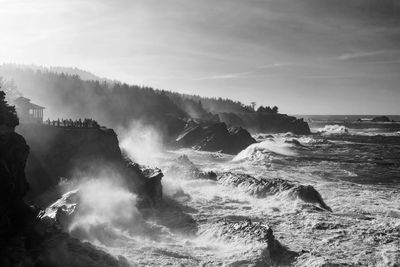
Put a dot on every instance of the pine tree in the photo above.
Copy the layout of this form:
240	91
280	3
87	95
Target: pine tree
8	115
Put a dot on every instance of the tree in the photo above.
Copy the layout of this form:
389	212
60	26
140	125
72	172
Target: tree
275	110
10	89
8	115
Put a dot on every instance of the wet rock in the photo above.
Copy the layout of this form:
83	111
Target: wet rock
173	215
183	167
215	137
308	194
74	152
61	213
266	122
26	240
145	182
381	119
153	186
265	187
13	210
296	143
327	226
249	232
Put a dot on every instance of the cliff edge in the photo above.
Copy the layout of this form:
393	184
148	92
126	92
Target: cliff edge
24	239
66	153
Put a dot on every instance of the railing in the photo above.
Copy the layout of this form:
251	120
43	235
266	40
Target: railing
69	123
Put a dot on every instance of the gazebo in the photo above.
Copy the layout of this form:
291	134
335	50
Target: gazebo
27	111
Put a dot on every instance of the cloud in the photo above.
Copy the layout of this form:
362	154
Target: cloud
226	76
213	47
368	54
256	71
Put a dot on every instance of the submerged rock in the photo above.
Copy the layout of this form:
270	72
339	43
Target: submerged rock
258	235
257	187
215	137
308	194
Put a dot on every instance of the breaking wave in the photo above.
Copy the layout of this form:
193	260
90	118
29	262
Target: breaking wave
333	130
259	151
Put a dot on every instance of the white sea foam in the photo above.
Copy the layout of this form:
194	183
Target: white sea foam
260	150
104	207
333	129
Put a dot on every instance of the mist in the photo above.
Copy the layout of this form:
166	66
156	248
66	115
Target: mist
142	143
105	208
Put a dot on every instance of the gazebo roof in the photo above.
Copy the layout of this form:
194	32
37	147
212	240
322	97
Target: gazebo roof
34	106
26	102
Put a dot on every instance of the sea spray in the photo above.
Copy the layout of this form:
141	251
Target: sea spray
104	208
142	143
333	129
260	151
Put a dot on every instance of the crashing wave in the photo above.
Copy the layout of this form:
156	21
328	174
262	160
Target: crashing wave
87	214
262	188
261	150
333	130
265	249
184	168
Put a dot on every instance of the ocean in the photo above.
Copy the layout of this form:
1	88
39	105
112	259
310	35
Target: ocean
355	167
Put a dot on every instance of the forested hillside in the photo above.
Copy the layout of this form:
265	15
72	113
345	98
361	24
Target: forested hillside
113	104
68	96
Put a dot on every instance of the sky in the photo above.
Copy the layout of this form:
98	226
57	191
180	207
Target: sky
305	56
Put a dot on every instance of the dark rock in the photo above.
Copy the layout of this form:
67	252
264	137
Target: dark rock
25	240
266	122
327	226
294	142
265	187
259	188
247	231
215	137
153	186
310	195
381	119
13	210
183	167
74	152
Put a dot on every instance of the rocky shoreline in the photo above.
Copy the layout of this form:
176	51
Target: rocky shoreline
25	239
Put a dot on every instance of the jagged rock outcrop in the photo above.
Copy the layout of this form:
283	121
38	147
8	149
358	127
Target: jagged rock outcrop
61	152
215	137
264	187
266	122
272	252
183	167
13	210
257	187
24	239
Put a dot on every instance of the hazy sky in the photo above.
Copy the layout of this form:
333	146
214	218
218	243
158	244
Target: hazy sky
306	56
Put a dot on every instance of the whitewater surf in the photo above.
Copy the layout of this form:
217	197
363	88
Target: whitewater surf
330	198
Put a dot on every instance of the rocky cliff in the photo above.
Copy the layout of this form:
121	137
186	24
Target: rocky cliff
73	153
24	239
215	137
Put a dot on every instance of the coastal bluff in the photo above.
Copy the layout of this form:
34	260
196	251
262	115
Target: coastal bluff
24	239
58	153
